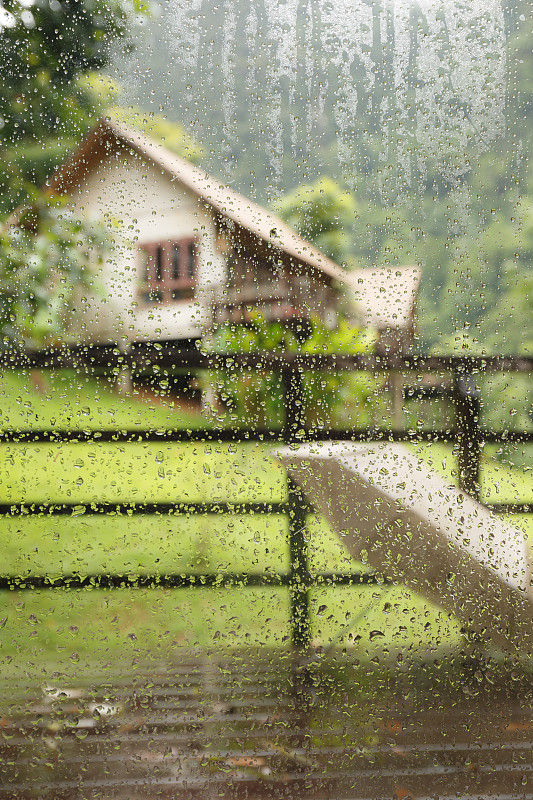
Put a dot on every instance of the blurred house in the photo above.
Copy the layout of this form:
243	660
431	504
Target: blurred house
188	253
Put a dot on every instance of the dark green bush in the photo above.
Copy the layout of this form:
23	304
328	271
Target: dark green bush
256	397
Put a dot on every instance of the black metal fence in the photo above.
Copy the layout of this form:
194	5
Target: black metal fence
154	358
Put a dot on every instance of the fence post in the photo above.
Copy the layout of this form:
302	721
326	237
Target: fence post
468	442
300	618
294	405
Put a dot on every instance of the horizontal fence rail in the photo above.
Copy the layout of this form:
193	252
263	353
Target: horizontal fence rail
127	509
155	359
208	580
188	509
258	435
168	356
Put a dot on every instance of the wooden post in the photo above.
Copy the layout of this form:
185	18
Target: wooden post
294	405
124	382
300	617
467	414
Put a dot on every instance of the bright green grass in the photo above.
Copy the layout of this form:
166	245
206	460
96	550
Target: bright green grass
71	631
499	482
74	401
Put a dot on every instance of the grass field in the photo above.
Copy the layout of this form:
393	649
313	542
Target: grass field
71	631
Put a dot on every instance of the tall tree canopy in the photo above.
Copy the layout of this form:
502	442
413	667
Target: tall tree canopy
46	47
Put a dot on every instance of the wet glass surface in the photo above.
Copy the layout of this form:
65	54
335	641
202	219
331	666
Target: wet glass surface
266	410
258	725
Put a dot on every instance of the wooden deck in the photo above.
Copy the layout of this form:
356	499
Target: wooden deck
250	726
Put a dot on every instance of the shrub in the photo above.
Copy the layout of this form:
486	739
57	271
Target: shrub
256	397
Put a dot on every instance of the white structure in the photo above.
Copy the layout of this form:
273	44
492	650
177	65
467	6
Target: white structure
407	523
385	299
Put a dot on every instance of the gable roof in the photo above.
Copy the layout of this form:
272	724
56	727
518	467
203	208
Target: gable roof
385	296
221	198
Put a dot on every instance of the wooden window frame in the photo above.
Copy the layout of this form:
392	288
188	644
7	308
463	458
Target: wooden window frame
165	280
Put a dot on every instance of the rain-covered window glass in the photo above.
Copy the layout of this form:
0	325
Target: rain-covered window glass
266	405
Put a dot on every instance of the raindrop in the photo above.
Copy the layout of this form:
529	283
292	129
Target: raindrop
77	511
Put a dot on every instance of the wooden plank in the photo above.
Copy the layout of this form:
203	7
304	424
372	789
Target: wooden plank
408	523
144	356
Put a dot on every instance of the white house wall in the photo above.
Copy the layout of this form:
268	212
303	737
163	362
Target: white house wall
141	204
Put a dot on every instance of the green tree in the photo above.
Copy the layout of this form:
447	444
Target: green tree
325	214
45	253
44	47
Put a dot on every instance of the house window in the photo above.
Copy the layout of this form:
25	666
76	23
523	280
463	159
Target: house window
169	271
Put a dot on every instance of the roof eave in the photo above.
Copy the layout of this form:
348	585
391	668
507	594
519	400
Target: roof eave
100	139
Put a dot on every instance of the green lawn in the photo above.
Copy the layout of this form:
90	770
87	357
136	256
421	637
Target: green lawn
72	401
73	631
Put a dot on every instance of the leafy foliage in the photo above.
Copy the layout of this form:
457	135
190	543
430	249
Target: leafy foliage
46	256
47	47
257	397
323	213
44	47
